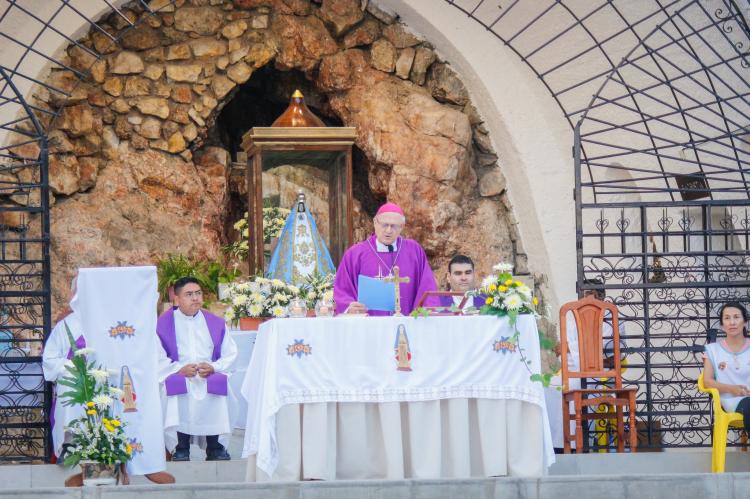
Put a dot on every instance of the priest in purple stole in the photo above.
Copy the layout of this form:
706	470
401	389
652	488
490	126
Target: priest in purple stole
197	357
376	257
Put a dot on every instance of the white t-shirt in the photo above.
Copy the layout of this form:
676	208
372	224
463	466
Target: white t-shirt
730	368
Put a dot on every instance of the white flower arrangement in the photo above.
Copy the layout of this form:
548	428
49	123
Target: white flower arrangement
505	295
273	223
260	297
316	287
97	435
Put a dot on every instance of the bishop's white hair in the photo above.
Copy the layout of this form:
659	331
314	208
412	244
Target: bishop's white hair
403	218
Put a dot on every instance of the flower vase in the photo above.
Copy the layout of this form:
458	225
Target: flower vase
251	323
95	473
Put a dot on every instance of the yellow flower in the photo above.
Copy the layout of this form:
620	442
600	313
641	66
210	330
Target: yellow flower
502	289
90	404
129	449
488	301
508	282
493	288
91	412
535	301
105	420
109	427
116	422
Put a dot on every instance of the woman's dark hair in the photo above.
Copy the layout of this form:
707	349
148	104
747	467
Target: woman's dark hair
738	306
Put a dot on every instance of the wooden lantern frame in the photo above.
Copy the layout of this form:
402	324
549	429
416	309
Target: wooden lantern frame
300	140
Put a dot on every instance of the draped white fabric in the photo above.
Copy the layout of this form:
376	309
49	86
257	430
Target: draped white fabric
476	405
54	359
117	310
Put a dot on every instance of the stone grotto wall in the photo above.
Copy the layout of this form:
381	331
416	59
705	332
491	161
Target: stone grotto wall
135	174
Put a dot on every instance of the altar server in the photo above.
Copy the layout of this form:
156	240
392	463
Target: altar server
197	357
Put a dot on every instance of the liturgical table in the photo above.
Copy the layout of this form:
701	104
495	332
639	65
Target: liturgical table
395	397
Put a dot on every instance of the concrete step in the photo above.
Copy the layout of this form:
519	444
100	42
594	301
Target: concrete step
681	486
24	476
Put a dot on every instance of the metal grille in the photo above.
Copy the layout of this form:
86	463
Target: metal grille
661	165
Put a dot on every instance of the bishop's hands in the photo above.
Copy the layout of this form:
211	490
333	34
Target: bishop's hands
202	369
356	307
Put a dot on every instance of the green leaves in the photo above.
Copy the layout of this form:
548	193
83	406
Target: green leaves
420	312
545	379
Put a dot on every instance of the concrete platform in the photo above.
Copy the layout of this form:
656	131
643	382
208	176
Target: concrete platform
699	486
676	474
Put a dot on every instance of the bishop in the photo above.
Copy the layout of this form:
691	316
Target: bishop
376	257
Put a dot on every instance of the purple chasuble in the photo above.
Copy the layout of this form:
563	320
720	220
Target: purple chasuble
362	258
176	384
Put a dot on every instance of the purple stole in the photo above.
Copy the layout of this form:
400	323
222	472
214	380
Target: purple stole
80	343
176	384
479	301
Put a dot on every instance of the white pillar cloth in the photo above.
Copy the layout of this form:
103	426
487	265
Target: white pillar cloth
117	310
362	361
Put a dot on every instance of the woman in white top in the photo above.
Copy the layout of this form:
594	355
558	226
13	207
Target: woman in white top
726	364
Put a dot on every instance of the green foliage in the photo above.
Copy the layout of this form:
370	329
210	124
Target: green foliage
545	379
208	273
317	286
545	343
420	312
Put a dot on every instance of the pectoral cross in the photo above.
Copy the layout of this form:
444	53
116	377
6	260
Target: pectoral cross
396	280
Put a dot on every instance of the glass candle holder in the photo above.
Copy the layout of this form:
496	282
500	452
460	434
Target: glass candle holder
324	308
297	308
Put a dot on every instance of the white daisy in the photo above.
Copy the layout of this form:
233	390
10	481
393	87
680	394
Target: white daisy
99	375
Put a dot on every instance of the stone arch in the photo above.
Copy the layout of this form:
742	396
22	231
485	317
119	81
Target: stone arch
133	174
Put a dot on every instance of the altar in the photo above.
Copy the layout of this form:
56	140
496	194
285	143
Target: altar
395	397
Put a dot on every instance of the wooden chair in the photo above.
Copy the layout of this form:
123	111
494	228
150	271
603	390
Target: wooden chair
589	319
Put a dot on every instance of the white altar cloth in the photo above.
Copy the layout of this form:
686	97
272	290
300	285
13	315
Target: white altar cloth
352	361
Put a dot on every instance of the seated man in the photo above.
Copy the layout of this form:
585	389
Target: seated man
461	278
196	358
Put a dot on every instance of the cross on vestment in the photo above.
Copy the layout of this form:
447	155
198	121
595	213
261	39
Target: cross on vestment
396	280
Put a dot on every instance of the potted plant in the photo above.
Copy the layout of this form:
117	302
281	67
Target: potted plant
255	301
209	274
99	443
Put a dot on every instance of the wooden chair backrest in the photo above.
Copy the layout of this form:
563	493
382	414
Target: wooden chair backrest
589	320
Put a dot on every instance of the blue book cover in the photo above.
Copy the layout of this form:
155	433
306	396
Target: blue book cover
376	294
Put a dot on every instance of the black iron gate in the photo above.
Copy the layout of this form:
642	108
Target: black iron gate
661	163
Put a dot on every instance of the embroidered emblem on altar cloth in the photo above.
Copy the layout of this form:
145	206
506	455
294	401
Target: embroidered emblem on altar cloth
504	345
299	348
121	330
401	347
135	446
